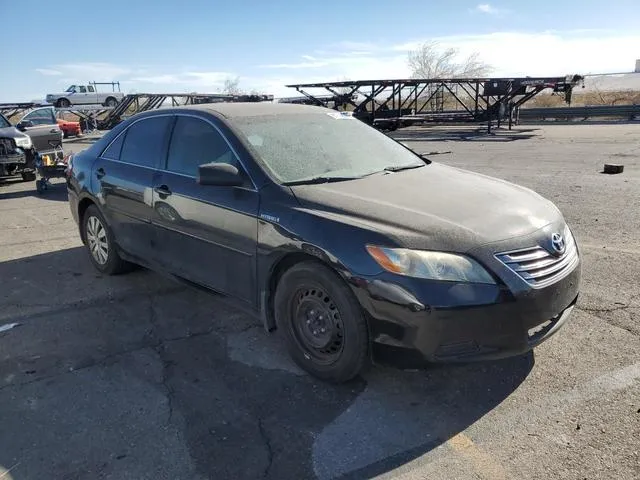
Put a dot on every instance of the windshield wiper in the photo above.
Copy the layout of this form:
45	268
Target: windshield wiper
319	179
398	168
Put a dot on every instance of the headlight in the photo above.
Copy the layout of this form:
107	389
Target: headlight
430	265
23	142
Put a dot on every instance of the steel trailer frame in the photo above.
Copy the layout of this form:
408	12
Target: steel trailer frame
141	102
391	103
104	118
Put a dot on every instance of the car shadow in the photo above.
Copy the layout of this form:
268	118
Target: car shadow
185	372
56	191
463	134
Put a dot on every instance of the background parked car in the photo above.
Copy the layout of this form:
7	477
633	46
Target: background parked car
16	152
69	128
41	125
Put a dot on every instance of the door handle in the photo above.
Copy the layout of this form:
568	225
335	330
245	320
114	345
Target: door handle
100	173
162	190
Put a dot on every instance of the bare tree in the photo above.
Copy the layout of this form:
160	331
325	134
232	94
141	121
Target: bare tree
430	61
232	86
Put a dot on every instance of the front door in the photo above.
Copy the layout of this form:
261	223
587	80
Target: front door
207	234
44	130
123	179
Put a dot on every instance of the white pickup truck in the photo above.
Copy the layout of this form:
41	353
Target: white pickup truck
84	95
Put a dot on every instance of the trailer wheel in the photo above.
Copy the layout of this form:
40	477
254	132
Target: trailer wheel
41	186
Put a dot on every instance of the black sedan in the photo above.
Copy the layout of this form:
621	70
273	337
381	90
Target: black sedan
342	240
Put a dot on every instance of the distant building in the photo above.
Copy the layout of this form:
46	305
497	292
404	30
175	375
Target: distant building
637	66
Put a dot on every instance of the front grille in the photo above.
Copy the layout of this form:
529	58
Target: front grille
538	266
7	146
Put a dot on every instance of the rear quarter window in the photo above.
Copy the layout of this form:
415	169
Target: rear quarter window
112	152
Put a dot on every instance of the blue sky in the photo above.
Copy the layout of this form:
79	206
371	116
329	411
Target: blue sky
170	46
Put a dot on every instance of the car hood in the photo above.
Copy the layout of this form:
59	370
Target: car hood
11	132
433	207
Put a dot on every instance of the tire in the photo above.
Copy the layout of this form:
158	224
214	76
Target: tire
41	186
111	102
97	233
63	103
28	177
334	349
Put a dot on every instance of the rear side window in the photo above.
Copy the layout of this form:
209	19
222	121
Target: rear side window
144	142
195	142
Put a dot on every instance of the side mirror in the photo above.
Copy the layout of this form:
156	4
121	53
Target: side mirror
221	174
23	125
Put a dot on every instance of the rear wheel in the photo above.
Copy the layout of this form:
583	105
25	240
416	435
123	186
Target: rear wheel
321	323
100	243
28	177
111	102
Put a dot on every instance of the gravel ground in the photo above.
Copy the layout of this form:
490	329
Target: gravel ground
136	377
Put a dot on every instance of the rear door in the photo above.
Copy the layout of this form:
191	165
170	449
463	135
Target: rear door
92	95
45	129
207	234
81	97
123	178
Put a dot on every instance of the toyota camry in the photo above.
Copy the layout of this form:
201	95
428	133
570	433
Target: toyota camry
343	241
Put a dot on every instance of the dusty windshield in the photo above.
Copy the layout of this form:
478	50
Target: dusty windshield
297	147
71	89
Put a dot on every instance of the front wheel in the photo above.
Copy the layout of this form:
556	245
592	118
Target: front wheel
321	323
63	103
100	243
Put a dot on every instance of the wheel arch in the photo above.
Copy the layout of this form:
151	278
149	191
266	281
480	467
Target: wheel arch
283	264
83	205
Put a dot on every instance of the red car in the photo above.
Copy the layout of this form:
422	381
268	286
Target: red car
69	128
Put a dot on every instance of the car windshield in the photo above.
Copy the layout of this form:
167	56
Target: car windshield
4	123
72	88
310	146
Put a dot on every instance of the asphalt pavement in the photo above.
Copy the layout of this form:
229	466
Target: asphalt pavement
137	377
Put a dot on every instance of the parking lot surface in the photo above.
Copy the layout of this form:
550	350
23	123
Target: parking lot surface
137	377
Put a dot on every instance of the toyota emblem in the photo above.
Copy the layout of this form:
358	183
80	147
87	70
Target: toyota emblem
557	242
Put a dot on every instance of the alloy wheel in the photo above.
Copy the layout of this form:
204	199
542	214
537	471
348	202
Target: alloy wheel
97	240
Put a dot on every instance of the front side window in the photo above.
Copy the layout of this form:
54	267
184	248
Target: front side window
83	89
195	142
144	141
42	116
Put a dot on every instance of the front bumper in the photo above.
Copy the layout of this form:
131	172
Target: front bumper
448	322
15	163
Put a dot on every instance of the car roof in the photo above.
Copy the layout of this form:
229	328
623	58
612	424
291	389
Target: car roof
251	109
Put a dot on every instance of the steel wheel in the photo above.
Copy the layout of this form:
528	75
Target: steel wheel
317	324
97	240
